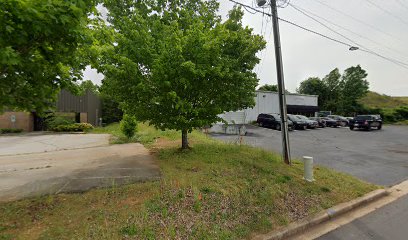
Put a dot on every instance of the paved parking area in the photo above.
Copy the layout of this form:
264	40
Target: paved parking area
379	157
37	142
49	164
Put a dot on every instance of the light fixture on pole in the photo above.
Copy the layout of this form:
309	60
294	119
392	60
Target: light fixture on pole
280	78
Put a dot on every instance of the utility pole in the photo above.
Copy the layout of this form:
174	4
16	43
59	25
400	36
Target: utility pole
281	85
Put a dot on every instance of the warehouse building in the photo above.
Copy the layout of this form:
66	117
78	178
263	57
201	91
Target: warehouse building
267	102
82	109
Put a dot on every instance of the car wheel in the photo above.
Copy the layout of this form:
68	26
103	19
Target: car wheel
304	127
379	127
351	127
278	127
261	124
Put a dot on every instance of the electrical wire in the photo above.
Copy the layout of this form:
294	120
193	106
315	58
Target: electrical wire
402	4
360	21
348	30
401	64
387	12
362	48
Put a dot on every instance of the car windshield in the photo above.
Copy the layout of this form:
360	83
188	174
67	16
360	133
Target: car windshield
302	117
363	117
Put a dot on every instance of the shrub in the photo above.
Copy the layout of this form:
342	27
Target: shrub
55	121
128	125
75	127
10	130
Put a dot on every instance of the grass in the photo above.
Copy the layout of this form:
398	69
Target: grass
376	100
213	191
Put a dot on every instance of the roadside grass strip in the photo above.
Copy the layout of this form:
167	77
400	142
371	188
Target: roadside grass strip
213	191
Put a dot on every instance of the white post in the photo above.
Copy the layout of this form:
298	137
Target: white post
308	168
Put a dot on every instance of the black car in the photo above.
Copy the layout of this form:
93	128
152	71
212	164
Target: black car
320	121
331	122
366	122
272	120
344	121
297	122
312	124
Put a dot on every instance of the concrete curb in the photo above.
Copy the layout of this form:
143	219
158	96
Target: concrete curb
300	226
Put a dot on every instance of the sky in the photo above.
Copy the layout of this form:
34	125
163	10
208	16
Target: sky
380	27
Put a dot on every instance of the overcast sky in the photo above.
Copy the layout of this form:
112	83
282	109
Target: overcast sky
382	30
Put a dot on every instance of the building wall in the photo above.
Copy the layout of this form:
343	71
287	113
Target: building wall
24	120
268	102
88	104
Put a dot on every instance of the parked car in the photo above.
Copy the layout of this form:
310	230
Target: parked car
312	124
344	121
331	122
297	122
321	122
366	122
272	120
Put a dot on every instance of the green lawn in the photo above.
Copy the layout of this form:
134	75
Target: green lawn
376	100
213	191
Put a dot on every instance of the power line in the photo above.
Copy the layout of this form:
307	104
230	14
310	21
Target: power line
387	12
362	48
359	21
294	24
402	4
348	30
401	64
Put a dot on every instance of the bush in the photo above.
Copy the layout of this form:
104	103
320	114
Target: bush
54	121
75	127
10	130
128	126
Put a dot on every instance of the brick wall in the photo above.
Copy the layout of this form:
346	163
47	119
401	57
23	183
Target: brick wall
24	120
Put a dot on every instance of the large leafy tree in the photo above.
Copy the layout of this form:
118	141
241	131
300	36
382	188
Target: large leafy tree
269	87
40	48
176	64
338	93
314	86
354	86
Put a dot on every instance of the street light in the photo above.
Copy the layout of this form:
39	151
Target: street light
281	82
353	48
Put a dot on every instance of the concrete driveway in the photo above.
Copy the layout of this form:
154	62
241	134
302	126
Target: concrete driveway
49	164
379	157
37	142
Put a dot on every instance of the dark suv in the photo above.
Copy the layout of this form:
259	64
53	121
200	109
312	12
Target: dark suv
272	120
366	122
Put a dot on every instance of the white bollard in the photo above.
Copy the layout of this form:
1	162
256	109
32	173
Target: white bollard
308	164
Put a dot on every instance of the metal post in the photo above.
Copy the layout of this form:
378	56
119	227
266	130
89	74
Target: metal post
281	85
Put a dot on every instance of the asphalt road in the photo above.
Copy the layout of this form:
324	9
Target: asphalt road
389	222
379	157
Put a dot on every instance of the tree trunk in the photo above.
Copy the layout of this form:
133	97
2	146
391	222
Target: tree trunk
184	140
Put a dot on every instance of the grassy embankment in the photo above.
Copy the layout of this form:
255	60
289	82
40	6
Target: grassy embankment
393	109
214	191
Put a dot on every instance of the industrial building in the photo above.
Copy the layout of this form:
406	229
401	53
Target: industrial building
266	102
85	109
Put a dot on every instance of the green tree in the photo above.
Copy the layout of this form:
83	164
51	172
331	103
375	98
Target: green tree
354	86
314	86
176	64
333	90
128	126
269	87
88	85
40	49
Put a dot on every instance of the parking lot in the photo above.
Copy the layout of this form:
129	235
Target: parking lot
377	156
